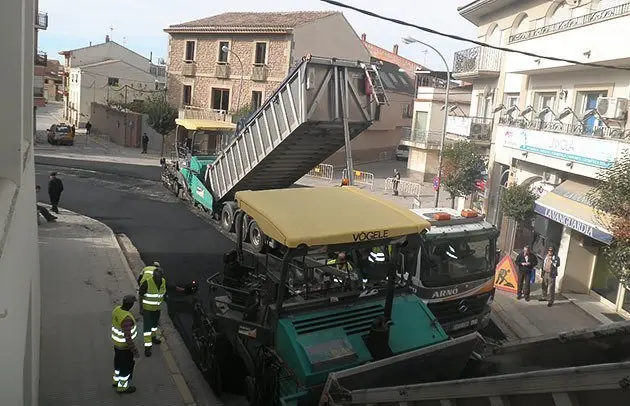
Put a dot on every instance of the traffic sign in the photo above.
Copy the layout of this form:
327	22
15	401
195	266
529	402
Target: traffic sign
505	275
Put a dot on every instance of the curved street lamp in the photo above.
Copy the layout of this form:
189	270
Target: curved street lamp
411	40
225	48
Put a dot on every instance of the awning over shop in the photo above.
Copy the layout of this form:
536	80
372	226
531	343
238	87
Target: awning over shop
567	204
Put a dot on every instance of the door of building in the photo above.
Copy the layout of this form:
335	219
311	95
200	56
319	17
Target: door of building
591	103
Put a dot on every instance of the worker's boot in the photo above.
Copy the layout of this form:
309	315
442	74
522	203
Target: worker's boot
147	352
156	340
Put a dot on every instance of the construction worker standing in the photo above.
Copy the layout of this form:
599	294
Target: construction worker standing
148	271
124	331
151	292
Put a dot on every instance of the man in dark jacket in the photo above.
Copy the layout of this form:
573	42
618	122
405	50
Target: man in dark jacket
55	187
551	262
44	211
526	262
145	143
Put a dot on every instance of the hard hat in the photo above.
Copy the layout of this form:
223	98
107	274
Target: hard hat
156	264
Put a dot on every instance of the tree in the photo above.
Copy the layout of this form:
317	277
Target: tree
243	112
517	202
161	115
462	166
612	198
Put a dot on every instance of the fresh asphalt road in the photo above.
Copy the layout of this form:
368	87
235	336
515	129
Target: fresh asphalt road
130	199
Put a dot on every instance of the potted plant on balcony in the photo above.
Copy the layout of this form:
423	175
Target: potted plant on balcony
611	202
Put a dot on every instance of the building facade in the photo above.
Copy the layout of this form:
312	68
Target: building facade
96	71
234	61
556	124
53	81
19	260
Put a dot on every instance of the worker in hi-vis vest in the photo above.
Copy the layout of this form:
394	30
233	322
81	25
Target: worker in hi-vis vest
378	254
148	271
124	331
151	293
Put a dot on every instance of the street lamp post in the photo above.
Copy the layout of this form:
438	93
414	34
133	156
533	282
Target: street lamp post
240	89
411	40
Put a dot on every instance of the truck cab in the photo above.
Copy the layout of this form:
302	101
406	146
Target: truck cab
455	268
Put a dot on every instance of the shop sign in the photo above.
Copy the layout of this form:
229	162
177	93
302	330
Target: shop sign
505	275
575	224
581	149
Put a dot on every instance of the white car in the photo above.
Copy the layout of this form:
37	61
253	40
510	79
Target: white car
402	152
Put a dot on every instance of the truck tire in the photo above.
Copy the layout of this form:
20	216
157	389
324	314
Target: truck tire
256	237
227	218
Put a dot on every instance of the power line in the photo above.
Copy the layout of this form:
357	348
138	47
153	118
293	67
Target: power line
472	41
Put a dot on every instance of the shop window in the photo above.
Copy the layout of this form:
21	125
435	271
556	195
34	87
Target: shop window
604	282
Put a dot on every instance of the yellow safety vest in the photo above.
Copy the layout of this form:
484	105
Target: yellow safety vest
118	335
154	296
334	262
147	272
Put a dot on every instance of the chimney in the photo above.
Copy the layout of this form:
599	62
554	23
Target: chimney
396	49
151	56
90	43
363	36
107	38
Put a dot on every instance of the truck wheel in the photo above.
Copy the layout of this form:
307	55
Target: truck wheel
256	237
227	218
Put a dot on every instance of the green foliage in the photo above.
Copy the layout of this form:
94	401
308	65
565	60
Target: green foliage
517	202
611	198
462	165
161	114
244	111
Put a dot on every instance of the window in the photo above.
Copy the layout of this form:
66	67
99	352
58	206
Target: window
220	99
223	55
407	111
510	99
261	53
190	51
256	99
586	101
542	100
187	95
112	81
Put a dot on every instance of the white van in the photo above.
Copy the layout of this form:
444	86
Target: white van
402	152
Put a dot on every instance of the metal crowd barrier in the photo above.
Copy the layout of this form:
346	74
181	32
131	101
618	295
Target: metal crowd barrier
322	171
361	178
405	188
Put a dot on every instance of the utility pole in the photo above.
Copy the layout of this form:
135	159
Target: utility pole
126	115
343	88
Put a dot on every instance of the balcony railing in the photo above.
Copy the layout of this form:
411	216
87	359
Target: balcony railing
259	73
477	61
577	22
418	136
189	68
41	59
199	113
473	128
41	21
578	129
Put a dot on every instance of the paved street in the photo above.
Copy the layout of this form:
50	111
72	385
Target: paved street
83	277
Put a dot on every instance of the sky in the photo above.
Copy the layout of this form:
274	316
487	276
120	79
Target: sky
139	24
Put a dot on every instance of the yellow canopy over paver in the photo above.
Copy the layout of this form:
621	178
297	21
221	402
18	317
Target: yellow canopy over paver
327	215
200	125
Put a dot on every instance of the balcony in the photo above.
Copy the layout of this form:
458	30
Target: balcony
573	23
222	71
422	139
259	73
189	68
41	59
477	62
558	127
41	21
472	128
198	113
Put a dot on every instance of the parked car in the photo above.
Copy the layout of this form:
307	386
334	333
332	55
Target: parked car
60	134
402	152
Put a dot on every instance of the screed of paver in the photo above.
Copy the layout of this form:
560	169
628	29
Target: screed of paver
82	279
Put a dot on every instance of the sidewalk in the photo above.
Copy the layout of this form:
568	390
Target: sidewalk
84	275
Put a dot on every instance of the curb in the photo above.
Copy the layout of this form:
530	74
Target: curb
174	351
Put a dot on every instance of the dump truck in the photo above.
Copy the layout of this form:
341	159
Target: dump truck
322	103
589	367
281	325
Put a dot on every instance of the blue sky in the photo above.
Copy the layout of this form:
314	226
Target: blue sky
139	23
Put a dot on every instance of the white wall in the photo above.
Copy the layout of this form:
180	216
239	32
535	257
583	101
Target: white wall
93	80
19	259
108	50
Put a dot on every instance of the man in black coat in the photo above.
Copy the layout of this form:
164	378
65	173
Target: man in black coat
526	262
55	187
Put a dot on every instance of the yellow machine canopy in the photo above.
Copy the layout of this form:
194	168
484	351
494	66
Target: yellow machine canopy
204	125
327	216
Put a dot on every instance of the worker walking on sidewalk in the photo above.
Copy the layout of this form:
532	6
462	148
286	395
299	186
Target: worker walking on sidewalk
124	331
152	290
